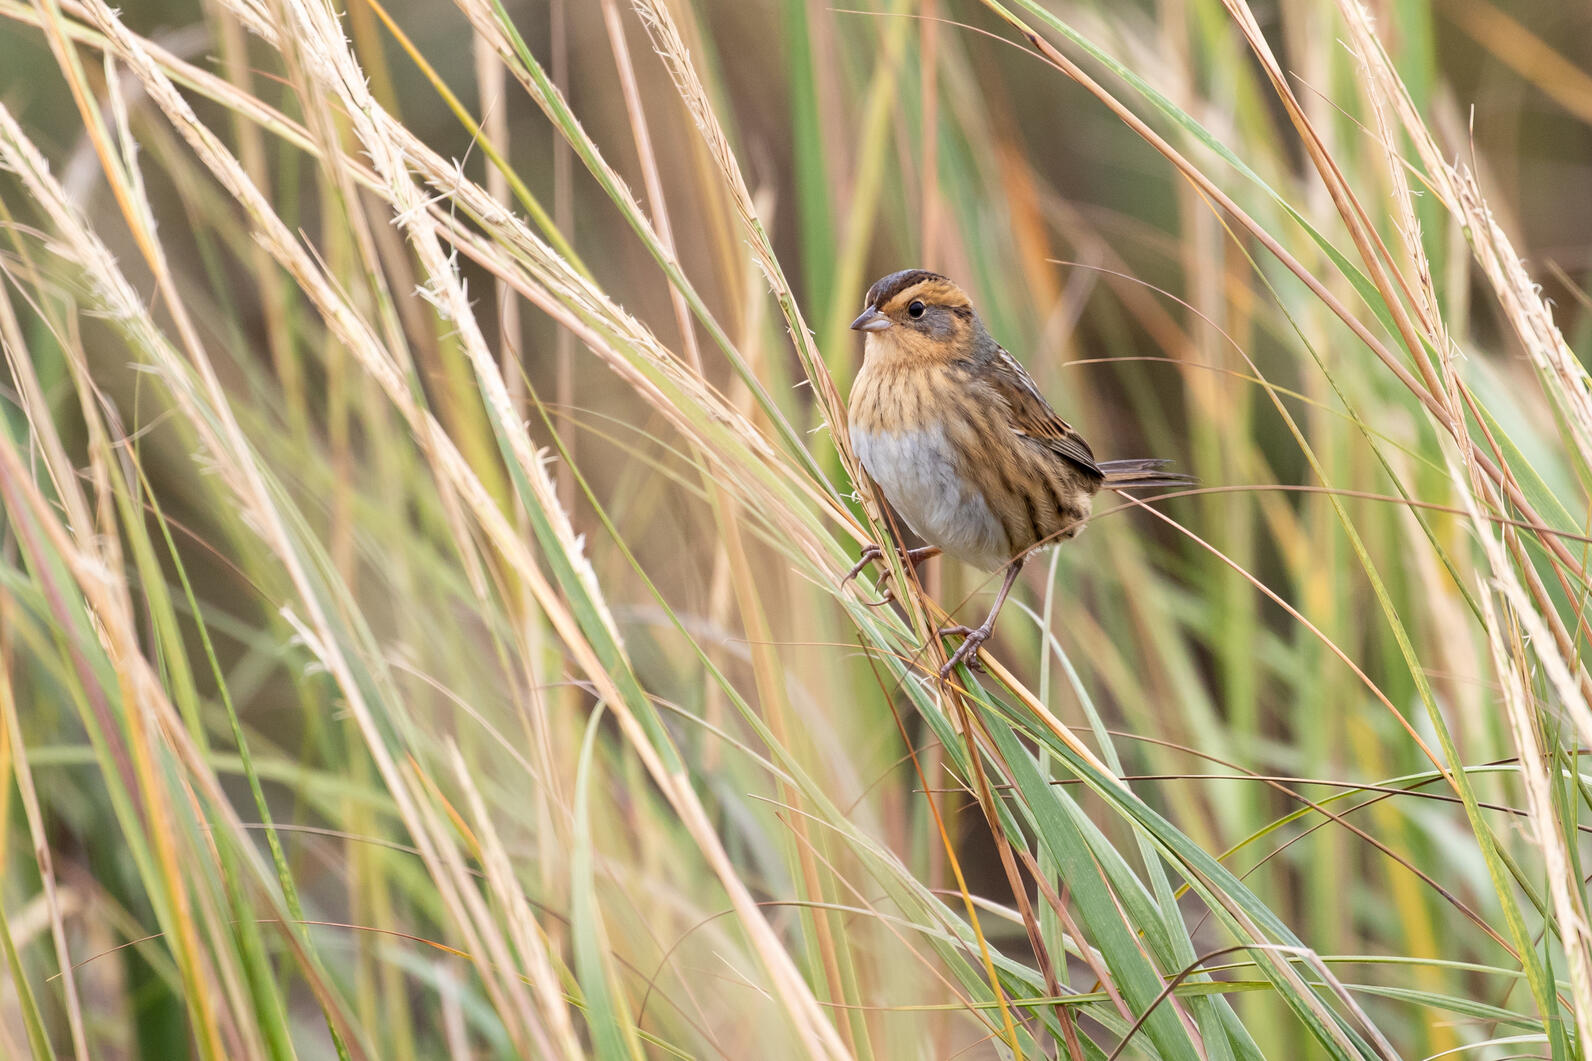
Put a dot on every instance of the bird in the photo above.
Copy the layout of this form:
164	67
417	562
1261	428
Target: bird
963	445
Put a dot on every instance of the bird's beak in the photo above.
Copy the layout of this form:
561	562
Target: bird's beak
871	321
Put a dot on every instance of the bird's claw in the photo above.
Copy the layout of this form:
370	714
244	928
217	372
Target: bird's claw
887	596
870	554
967	652
873	553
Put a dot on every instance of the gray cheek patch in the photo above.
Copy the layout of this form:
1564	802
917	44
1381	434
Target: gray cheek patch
937	323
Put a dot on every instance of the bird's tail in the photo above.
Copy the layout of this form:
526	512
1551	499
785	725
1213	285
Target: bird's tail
1142	473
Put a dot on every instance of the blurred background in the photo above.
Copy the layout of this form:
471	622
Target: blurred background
422	515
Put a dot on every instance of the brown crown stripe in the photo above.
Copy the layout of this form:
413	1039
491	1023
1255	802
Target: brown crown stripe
935	290
886	288
932	287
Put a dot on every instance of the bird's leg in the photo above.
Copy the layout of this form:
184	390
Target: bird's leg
871	553
973	637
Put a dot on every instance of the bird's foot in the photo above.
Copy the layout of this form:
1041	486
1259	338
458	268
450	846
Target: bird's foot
870	554
874	553
967	652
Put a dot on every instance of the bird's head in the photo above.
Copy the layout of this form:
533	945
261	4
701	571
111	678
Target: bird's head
918	313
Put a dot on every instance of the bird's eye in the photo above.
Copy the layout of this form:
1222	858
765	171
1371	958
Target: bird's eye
916	310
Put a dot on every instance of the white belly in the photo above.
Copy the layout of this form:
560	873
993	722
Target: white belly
916	471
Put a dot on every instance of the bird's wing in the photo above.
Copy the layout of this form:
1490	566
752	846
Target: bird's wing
1032	416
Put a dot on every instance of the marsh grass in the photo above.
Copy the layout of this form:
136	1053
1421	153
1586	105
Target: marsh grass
423	506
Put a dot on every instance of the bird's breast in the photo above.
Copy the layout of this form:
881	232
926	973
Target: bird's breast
910	454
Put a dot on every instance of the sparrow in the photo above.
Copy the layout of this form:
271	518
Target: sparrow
959	439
